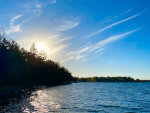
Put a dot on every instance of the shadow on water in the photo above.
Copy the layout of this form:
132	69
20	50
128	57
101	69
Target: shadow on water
17	103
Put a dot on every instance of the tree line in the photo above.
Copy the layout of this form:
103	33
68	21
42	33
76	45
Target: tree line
19	67
107	79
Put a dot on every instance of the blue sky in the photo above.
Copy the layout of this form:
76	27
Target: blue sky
88	37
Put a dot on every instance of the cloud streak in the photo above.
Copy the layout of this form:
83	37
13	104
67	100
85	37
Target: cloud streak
67	25
111	39
13	27
97	47
114	24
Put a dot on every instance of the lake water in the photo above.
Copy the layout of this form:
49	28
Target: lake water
87	97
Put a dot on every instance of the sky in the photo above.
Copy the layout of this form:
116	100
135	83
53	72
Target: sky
88	37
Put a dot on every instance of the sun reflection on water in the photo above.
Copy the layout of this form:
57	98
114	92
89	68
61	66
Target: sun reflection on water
43	102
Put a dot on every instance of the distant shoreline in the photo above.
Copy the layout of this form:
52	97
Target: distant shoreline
116	82
110	79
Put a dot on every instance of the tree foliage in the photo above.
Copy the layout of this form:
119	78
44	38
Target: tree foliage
106	79
19	67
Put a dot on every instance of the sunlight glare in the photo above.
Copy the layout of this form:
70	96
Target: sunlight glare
41	47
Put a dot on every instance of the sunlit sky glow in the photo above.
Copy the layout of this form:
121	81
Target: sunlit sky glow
42	47
88	37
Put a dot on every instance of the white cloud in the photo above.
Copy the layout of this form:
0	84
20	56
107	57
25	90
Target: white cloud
110	18
113	24
99	50
67	25
13	27
98	47
111	39
58	48
34	8
84	49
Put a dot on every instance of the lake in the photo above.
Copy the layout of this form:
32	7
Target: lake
86	97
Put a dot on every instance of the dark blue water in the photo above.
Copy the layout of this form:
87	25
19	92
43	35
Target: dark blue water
87	97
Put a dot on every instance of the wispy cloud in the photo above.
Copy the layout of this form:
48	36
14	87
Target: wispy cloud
96	48
67	25
34	8
55	44
129	10
37	9
13	27
110	18
58	48
55	40
99	50
38	6
53	1
111	39
113	24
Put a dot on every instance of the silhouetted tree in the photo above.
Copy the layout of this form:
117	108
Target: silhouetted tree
43	54
19	67
33	49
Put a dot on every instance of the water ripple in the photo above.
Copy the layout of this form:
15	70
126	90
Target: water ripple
85	97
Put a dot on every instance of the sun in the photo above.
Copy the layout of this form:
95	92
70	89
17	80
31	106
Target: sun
41	47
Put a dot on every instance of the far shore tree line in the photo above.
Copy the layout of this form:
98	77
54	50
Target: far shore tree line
109	79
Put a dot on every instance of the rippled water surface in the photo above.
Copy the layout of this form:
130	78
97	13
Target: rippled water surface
87	97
